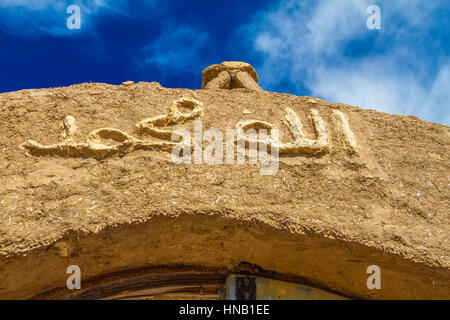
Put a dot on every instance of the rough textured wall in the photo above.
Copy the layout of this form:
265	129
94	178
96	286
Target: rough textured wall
324	216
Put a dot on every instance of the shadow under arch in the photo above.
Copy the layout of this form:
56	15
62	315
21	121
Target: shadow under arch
218	245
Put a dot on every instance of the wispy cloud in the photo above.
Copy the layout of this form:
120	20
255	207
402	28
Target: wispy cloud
33	18
325	47
178	48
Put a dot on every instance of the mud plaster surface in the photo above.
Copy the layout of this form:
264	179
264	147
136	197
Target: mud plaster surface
322	217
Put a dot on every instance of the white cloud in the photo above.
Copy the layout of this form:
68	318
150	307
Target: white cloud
398	69
32	18
369	84
438	102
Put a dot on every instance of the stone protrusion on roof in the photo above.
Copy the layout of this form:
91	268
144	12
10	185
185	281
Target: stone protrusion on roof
230	75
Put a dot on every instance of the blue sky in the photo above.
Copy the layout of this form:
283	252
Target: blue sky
320	48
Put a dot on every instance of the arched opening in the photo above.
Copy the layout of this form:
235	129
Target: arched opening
199	252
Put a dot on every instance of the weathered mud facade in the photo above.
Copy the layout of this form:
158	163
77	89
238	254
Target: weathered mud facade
87	179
